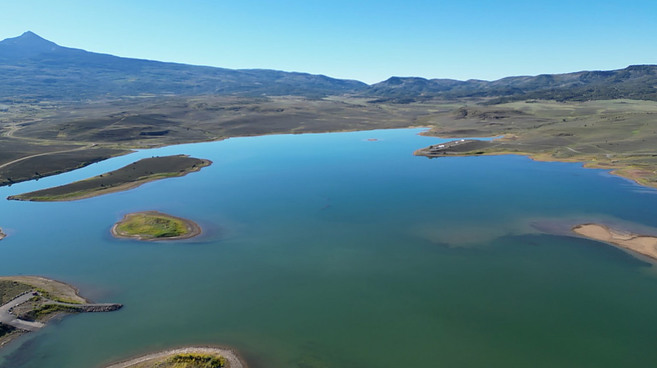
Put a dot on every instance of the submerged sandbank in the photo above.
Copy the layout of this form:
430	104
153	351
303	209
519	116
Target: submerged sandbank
643	244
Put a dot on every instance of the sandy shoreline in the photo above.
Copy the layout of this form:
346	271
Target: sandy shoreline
234	361
645	245
193	229
617	170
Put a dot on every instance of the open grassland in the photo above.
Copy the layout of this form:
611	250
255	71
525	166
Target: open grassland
614	134
97	130
127	177
617	134
152	225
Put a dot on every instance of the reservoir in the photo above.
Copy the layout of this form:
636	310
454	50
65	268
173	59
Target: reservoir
345	250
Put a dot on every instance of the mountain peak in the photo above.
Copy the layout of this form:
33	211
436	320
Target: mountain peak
30	35
26	45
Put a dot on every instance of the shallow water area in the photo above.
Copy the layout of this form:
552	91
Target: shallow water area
344	249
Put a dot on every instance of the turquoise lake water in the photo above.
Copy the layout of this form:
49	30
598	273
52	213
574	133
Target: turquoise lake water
331	250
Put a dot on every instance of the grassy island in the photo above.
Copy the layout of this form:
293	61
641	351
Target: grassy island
28	302
125	178
153	225
190	357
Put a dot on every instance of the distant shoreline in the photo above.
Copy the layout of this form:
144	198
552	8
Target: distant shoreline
233	358
193	229
645	245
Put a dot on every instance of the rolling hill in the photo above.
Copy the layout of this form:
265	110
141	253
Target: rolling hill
637	82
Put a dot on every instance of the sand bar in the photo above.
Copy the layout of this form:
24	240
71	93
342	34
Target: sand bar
151	360
643	244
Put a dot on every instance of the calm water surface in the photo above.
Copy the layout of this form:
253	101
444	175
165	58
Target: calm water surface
330	250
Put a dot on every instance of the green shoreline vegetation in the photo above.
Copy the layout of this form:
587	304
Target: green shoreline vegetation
187	357
191	360
125	178
153	225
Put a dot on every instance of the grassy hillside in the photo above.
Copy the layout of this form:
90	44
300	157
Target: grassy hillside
613	134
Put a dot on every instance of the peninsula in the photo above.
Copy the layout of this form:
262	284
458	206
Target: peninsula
617	135
642	244
28	302
153	225
189	357
2	235
125	178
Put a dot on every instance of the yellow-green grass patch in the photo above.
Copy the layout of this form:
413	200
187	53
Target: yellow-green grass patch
152	225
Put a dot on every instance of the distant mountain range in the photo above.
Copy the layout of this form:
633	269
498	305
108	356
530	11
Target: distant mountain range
31	66
634	82
37	69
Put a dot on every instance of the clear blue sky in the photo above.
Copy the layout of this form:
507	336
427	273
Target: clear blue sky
364	40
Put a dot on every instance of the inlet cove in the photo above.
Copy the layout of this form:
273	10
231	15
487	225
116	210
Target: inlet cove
344	250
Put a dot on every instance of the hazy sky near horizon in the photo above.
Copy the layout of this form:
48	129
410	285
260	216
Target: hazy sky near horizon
365	40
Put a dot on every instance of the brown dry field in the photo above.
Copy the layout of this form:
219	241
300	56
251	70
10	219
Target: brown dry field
613	134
